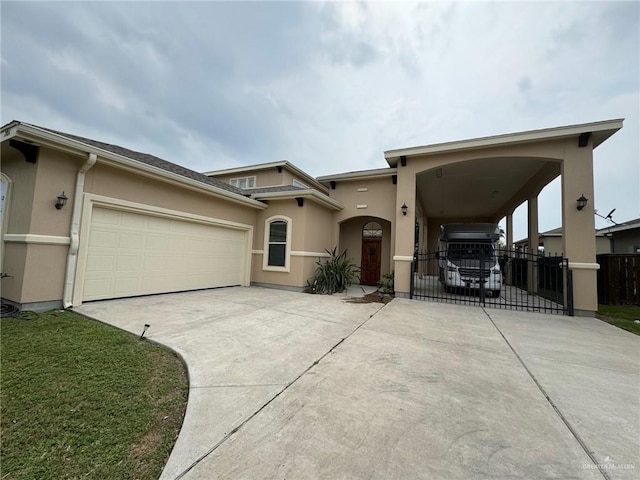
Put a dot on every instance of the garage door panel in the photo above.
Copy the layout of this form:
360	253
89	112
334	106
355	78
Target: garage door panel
95	287
103	238
155	263
127	263
132	254
123	285
106	217
157	242
131	240
101	263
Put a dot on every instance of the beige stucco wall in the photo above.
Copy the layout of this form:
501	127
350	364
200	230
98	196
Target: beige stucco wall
364	200
578	225
56	172
34	192
379	197
116	183
23	176
319	227
37	270
312	232
15	257
20	202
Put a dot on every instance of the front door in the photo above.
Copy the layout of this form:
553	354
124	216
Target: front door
370	265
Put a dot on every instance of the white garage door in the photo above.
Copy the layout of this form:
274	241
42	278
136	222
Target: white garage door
132	254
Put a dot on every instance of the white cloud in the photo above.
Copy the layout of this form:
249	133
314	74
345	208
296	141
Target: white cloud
328	86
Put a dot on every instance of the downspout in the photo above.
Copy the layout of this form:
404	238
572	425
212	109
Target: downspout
72	256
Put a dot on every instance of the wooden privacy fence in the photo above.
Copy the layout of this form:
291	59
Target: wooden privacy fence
619	279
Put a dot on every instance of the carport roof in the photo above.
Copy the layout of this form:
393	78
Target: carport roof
600	131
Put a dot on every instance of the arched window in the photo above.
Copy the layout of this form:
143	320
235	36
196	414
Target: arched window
372	230
277	248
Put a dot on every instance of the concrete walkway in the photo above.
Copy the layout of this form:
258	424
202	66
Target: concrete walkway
287	385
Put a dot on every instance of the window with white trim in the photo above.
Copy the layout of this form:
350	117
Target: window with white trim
243	182
296	183
277	246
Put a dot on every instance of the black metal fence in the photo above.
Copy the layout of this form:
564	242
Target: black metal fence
474	274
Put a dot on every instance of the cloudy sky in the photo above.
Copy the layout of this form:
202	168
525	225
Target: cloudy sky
328	86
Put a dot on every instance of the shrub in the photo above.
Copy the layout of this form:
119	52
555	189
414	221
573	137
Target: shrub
385	284
333	275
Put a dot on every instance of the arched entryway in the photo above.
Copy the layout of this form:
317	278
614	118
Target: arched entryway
368	243
371	257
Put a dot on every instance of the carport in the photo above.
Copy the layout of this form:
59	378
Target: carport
486	179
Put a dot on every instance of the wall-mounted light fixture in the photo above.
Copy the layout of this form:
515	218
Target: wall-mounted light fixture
404	209
582	202
62	200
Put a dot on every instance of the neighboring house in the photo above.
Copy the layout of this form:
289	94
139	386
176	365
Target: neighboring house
551	242
624	237
135	224
619	238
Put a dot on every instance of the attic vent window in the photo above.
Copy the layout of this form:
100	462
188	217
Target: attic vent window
243	182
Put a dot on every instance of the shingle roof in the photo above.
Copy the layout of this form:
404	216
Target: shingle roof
619	227
150	160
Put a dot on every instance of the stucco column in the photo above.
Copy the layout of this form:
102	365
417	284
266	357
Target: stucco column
405	229
578	226
533	241
509	232
335	233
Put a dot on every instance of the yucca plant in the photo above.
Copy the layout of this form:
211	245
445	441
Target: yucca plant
333	275
386	283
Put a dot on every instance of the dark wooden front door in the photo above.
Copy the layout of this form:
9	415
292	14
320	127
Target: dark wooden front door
370	265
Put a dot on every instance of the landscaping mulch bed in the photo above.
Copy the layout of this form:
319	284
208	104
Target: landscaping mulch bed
374	297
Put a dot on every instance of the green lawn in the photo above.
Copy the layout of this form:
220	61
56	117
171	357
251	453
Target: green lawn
622	316
80	399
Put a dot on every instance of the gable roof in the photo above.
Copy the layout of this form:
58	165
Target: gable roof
266	166
148	159
123	156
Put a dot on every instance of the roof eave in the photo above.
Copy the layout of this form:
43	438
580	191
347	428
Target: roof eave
311	194
601	131
59	142
360	175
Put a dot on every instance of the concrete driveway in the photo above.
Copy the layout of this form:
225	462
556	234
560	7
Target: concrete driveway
287	385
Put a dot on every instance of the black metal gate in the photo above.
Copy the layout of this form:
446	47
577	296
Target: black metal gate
510	279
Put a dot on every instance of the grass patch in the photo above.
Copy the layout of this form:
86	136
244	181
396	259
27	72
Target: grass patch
80	399
622	316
